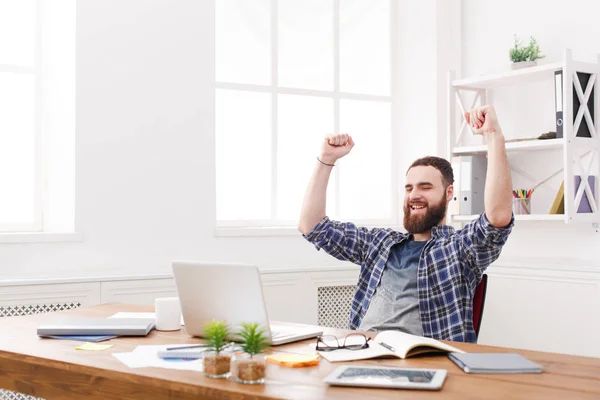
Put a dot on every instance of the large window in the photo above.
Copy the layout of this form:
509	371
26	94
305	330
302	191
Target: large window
37	60
288	73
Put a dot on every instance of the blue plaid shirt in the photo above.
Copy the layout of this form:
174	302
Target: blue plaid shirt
450	269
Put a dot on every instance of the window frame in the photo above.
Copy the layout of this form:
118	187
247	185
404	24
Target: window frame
36	71
278	227
50	224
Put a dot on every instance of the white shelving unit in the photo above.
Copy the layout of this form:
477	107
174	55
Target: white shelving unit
532	217
528	145
574	148
525	75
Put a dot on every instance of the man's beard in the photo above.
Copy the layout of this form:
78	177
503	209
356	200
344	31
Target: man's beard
423	223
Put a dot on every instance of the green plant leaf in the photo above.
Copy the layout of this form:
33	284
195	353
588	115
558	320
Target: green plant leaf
216	333
254	339
531	52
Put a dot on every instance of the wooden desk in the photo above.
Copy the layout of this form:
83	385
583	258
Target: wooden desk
53	369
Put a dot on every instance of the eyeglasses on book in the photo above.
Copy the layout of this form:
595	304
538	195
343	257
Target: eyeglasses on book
352	341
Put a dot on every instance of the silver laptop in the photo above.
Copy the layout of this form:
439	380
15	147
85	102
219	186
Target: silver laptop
231	293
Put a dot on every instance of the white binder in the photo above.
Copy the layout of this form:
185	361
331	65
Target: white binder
472	184
454	206
558	102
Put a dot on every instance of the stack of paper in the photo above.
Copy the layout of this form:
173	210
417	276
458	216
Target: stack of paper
146	356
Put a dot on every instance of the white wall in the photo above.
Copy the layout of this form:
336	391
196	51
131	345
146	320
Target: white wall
429	45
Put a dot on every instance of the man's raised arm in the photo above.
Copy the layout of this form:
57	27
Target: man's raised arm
315	199
498	183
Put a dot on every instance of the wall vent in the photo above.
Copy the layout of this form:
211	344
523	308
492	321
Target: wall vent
334	306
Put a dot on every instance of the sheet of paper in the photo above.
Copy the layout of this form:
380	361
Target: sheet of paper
146	356
94	346
134	315
130	359
138	315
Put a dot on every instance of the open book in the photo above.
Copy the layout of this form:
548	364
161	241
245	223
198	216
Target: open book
390	344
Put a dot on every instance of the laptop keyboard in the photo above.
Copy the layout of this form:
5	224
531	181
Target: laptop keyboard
279	331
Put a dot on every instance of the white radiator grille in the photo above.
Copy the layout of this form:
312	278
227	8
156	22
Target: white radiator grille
12	311
8	395
334	306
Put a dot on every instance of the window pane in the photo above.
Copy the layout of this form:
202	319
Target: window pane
306	44
58	54
365	46
303	124
243	151
17	32
17	149
365	174
243	41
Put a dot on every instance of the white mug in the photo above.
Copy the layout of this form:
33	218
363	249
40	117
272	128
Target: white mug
168	314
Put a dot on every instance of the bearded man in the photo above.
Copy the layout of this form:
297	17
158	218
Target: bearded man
421	282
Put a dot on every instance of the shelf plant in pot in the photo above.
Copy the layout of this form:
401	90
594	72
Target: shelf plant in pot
525	56
216	364
250	367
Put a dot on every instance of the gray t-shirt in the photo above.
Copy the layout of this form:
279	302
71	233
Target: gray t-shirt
395	304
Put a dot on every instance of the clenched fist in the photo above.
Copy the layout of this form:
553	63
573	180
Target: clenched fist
483	120
335	147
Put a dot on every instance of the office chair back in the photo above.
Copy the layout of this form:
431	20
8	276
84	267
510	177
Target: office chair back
479	303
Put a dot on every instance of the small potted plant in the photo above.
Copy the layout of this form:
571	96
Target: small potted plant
216	365
251	366
525	56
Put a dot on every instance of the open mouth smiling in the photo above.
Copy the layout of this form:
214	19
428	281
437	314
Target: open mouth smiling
418	207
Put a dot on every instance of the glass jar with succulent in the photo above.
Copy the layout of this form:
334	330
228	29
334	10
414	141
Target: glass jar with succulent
251	366
216	364
525	56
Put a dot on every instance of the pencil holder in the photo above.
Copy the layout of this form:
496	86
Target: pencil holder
521	206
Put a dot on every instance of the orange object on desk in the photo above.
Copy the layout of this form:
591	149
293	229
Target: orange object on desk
294	360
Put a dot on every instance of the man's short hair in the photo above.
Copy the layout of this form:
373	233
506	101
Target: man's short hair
441	164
